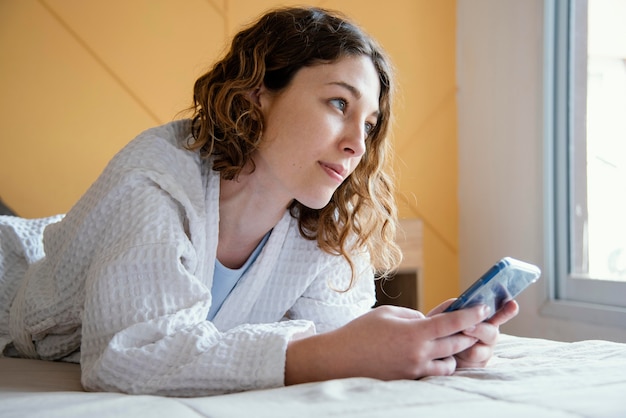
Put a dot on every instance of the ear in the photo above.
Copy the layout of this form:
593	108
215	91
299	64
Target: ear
259	96
255	96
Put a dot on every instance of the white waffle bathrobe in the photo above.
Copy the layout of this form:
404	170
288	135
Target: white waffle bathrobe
127	276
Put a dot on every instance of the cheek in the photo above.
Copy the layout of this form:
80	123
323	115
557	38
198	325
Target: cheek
356	162
282	127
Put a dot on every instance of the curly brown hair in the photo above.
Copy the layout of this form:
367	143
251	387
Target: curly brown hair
227	125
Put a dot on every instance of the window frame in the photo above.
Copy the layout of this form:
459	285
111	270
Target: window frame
565	80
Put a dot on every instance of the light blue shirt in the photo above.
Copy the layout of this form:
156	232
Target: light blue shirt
225	279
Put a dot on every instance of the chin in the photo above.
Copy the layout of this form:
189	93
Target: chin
315	204
316	207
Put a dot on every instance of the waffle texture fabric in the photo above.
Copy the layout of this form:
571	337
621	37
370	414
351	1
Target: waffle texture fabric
123	281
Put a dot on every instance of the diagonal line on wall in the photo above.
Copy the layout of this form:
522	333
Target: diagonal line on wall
223	12
413	206
101	62
220	11
226	17
435	110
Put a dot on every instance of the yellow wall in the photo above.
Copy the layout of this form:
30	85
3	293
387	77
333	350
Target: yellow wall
79	79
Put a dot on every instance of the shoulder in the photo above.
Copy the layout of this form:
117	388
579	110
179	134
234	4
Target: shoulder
151	178
158	156
159	147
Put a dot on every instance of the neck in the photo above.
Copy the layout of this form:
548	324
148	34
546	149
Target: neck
247	213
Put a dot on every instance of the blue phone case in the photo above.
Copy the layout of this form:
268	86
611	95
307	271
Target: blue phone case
500	284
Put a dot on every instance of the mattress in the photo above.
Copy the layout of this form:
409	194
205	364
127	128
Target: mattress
526	378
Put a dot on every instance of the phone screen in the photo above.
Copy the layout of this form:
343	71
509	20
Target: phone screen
500	284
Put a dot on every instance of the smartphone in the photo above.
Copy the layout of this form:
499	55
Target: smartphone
500	284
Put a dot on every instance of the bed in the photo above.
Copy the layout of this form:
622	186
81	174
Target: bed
526	378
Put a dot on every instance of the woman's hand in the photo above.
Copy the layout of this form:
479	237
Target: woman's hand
486	334
387	343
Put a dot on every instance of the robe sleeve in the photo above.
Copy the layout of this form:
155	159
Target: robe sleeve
144	326
326	302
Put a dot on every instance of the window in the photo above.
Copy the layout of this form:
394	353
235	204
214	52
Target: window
586	152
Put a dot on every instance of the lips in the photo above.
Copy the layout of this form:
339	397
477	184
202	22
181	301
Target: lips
336	171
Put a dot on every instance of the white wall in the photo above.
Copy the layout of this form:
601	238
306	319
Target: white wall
500	119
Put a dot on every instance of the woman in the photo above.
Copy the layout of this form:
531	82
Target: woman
236	250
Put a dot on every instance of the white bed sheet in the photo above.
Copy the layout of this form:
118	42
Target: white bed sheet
527	378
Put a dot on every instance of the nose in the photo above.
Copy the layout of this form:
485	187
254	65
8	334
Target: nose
354	140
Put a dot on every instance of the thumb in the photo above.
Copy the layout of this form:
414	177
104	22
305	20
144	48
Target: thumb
441	307
401	312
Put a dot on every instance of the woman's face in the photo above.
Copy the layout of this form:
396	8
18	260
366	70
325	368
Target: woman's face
315	130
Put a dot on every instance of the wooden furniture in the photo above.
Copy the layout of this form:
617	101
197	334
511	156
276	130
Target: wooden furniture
404	287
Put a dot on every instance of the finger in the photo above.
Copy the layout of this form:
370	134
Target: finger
448	323
449	346
441	367
507	312
484	332
476	356
441	307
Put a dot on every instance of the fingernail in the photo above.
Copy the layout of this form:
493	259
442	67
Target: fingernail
486	310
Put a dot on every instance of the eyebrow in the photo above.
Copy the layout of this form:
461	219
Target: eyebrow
355	92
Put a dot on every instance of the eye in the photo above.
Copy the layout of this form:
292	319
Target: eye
340	104
369	128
